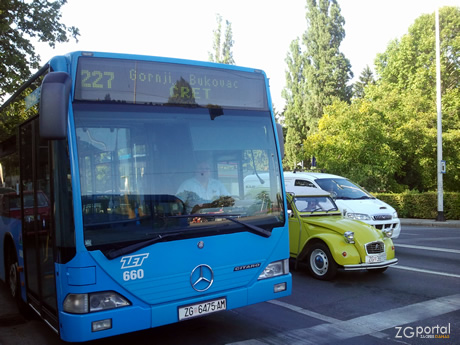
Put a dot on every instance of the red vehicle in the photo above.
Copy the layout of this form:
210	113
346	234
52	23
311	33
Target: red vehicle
10	206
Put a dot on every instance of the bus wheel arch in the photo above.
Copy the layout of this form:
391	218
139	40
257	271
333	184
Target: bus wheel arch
12	279
12	276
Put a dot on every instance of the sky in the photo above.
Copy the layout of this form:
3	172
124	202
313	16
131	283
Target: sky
262	30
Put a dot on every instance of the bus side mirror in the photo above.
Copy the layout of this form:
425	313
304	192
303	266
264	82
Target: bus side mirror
279	129
54	105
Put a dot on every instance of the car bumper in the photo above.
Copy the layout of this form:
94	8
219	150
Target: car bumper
382	264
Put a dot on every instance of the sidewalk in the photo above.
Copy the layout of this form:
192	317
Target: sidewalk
430	222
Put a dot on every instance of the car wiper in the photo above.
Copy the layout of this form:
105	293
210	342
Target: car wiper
114	253
365	197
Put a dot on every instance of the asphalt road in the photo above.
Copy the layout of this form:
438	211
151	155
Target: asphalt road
414	302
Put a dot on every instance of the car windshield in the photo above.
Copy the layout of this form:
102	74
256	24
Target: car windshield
341	188
314	204
151	171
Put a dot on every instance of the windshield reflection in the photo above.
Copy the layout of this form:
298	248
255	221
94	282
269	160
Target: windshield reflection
173	172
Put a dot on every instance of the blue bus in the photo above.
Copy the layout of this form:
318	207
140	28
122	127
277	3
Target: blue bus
122	201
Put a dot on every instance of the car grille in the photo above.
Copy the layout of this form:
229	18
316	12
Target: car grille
382	216
375	248
386	226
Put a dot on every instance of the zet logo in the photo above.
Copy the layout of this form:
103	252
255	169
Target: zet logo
133	260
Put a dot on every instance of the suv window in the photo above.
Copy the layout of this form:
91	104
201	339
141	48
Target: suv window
304	183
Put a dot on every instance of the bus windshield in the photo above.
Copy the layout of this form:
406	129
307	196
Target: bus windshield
150	171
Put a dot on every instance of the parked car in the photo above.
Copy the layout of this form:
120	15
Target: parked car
353	201
326	241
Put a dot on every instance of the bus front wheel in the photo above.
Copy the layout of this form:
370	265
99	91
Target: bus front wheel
12	274
14	283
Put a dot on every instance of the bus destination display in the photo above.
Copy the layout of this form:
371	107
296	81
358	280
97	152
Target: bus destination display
148	82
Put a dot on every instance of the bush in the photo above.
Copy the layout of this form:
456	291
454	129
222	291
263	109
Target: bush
422	205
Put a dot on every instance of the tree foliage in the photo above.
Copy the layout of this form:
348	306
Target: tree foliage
222	49
317	74
19	22
386	140
366	78
294	93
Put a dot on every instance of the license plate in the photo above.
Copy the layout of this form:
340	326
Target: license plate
376	258
202	308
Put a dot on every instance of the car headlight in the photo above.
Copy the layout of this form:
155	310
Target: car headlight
349	236
395	215
274	269
387	232
358	216
82	303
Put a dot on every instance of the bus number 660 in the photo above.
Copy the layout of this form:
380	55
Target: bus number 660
133	275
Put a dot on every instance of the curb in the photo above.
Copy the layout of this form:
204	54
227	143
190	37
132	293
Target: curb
430	223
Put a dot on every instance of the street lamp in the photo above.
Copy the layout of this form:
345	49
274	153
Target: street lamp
441	167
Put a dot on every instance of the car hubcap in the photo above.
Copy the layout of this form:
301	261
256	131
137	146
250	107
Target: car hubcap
319	262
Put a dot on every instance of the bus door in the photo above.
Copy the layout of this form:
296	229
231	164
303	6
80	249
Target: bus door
37	229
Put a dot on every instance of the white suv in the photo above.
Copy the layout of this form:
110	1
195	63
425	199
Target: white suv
352	200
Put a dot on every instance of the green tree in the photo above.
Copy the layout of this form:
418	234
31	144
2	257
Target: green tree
366	78
318	74
222	51
14	114
19	22
408	67
294	94
327	71
386	140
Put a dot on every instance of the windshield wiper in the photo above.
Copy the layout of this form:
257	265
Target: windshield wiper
255	229
231	217
365	197
114	253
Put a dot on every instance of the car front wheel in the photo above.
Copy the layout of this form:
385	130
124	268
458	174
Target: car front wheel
320	262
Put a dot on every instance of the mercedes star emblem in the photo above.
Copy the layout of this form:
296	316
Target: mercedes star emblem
201	278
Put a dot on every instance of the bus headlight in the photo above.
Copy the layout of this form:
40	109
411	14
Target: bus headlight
97	301
274	269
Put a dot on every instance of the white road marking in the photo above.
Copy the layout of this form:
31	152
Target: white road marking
305	311
420	270
334	333
445	250
316	315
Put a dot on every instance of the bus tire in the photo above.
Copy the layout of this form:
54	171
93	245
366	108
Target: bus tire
13	282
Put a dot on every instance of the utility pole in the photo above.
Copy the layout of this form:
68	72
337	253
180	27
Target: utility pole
441	166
